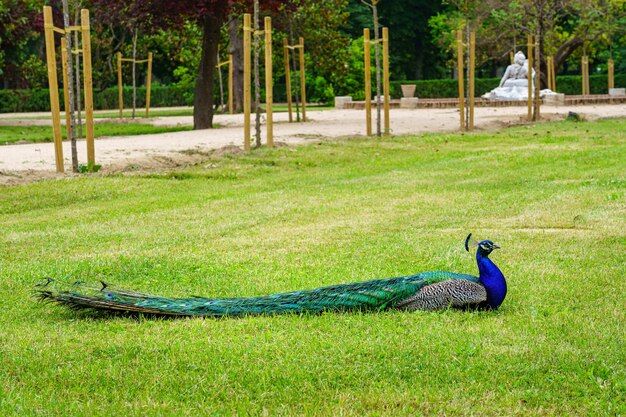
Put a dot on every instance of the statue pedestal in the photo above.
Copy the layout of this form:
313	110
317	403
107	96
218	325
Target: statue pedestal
340	101
408	102
553	99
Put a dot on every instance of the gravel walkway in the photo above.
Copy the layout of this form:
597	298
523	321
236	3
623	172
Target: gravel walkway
36	159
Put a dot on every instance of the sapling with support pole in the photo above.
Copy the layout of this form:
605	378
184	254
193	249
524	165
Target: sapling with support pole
466	107
84	30
248	32
287	48
367	42
120	90
219	65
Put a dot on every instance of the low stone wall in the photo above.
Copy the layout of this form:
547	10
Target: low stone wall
445	103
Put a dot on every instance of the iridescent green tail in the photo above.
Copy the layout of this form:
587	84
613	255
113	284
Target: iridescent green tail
378	294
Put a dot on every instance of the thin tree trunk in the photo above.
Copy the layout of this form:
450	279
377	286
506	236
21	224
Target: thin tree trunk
134	71
203	94
79	105
70	87
236	48
257	82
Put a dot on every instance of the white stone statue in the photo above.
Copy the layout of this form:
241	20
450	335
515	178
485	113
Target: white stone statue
514	83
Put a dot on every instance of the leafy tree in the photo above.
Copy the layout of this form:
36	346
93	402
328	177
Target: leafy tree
413	53
562	27
207	14
17	28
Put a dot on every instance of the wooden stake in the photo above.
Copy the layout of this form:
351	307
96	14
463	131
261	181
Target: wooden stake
85	27
246	81
120	92
553	75
386	129
148	83
66	94
472	63
511	57
537	66
287	77
611	73
53	87
459	53
302	79
549	70
530	77
585	74
368	82
269	99
230	84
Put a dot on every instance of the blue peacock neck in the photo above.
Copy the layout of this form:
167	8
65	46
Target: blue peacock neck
492	279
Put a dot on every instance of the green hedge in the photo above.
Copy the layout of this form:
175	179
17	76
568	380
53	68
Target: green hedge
39	99
567	84
167	96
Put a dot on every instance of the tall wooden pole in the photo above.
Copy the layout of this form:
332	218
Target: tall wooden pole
230	84
585	74
302	79
386	129
120	92
53	87
459	53
549	70
269	96
537	66
71	129
66	95
368	82
287	77
148	84
246	81
553	75
472	63
611	73
88	83
529	63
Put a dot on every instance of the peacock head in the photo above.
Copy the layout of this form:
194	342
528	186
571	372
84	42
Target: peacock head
485	247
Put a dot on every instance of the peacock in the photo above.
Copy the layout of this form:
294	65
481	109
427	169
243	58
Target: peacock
423	291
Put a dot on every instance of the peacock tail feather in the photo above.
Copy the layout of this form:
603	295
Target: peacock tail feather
374	295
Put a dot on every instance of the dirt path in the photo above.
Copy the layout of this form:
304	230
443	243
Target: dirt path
19	162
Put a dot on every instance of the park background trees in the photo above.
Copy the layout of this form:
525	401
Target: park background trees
186	37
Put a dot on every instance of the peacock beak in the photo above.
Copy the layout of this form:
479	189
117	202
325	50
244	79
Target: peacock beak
496	246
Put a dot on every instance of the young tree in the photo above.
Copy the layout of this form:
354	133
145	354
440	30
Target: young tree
154	15
373	4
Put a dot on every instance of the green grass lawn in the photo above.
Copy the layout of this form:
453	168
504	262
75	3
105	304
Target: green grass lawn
553	196
12	134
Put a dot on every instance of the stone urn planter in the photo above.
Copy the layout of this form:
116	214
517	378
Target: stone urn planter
408	90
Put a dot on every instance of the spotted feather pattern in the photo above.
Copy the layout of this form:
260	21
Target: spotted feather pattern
455	293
